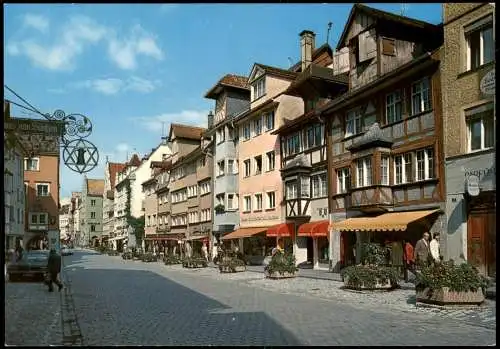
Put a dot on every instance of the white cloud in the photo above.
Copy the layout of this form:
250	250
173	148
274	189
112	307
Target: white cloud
113	86
124	51
187	117
37	22
76	35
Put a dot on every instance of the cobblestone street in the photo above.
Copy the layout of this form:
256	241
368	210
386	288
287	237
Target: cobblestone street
134	303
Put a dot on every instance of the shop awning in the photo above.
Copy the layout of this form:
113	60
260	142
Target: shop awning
314	229
244	233
281	230
393	221
198	237
163	237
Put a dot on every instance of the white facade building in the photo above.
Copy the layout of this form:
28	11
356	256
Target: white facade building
137	172
65	219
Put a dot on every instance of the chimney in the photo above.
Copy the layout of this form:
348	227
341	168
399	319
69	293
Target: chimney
210	121
306	47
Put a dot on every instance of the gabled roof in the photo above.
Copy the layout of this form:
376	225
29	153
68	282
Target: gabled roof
297	67
229	80
113	169
283	73
95	187
134	161
186	131
381	15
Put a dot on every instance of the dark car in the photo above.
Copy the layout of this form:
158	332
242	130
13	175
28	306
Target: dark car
33	264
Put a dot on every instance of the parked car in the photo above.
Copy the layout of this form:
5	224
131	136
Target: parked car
66	251
32	264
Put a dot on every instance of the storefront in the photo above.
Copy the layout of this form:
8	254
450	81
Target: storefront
387	229
251	241
284	233
317	236
471	210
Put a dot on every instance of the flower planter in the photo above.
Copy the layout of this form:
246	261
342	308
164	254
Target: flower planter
229	269
378	285
278	275
194	265
444	296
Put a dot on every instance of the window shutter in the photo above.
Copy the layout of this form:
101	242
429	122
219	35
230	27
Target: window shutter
367	45
388	46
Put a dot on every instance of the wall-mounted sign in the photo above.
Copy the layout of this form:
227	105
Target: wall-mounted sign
487	84
472	185
481	172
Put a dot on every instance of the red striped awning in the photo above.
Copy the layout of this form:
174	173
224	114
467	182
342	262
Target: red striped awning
314	229
281	230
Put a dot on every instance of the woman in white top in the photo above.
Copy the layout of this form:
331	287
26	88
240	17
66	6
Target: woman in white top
434	247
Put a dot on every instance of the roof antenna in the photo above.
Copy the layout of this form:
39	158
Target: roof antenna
290	60
404	8
328	33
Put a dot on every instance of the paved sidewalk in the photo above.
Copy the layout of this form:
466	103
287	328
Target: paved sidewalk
316	274
32	315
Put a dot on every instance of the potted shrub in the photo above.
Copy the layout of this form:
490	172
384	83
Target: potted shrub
172	259
194	262
219	209
149	257
127	255
372	274
446	283
282	265
232	265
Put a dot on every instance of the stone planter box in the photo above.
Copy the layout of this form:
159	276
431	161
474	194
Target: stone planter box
378	286
227	269
194	265
278	275
444	296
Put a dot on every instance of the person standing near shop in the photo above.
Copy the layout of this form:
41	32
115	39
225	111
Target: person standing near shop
434	247
409	259
422	249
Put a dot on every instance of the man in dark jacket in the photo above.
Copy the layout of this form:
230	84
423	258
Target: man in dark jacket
54	268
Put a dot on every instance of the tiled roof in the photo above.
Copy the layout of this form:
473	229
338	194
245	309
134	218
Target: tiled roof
229	80
95	187
185	131
134	161
277	71
114	168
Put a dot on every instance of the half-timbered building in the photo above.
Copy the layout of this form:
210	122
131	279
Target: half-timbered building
303	156
384	146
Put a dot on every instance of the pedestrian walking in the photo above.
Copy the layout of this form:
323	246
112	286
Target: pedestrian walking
54	268
422	249
204	251
409	259
434	247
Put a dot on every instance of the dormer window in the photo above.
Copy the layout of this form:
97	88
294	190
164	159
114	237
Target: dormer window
259	88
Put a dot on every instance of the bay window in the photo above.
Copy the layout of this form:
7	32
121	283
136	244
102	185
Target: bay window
364	172
291	190
384	170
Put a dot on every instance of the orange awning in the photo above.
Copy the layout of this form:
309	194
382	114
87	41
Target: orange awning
244	233
281	230
393	221
314	229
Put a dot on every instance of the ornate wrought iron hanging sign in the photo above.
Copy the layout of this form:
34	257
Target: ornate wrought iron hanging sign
78	154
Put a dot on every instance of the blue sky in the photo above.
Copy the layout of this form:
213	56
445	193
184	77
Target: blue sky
132	67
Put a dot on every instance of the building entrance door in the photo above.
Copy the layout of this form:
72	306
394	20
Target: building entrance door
481	241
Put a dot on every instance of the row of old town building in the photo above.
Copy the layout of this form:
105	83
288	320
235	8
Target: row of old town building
387	136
